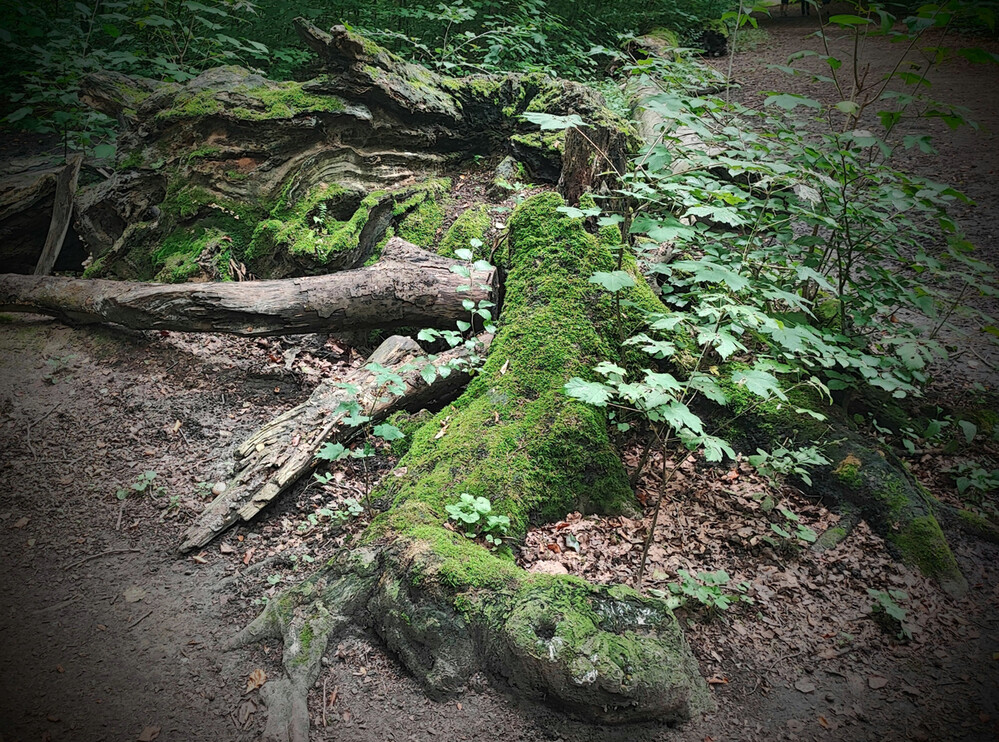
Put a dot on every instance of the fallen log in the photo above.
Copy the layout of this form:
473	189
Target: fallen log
276	455
407	287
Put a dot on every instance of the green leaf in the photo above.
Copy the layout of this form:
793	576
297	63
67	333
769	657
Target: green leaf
790	101
613	281
388	432
103	151
969	429
849	20
550	122
591	392
678	415
761	383
332	452
779	531
612	370
848	107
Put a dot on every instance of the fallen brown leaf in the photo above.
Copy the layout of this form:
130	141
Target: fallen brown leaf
149	734
256	678
717	680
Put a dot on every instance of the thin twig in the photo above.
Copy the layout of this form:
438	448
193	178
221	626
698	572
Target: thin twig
102	554
325	700
137	621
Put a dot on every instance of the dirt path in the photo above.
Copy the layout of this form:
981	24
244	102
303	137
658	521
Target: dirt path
128	645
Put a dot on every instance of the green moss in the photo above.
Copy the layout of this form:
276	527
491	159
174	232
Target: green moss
471	224
514	437
408	423
203	153
264	102
132	161
423	221
847	471
182	252
96	268
923	544
543	140
202	103
976	521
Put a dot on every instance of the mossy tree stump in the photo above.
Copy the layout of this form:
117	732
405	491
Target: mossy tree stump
446	604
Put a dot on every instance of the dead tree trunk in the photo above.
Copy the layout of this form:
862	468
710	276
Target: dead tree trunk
446	604
274	457
408	286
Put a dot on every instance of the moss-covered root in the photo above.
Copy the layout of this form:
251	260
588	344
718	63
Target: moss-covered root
448	608
862	474
514	437
897	505
306	617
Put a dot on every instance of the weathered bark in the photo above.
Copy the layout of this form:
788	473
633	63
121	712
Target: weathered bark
408	286
447	605
62	214
27	192
275	456
284	169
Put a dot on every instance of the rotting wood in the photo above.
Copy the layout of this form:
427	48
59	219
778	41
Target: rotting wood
408	286
62	215
275	456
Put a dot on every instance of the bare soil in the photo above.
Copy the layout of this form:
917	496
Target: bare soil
108	635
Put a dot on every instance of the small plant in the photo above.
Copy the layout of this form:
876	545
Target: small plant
791	529
473	514
708	590
782	462
351	509
144	483
971	475
56	366
889	613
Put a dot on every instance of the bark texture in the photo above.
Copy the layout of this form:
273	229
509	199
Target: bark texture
408	286
292	174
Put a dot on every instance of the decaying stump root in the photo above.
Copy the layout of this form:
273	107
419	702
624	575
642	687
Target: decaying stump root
408	286
445	604
863	477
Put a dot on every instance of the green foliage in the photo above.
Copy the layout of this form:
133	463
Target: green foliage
782	462
971	475
708	590
142	484
474	517
48	48
889	613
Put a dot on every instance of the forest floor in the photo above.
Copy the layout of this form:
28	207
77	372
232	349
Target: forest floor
108	635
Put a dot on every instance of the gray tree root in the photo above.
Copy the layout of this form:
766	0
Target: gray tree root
278	454
408	286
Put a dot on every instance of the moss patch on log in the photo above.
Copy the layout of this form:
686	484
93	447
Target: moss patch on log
471	224
514	437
